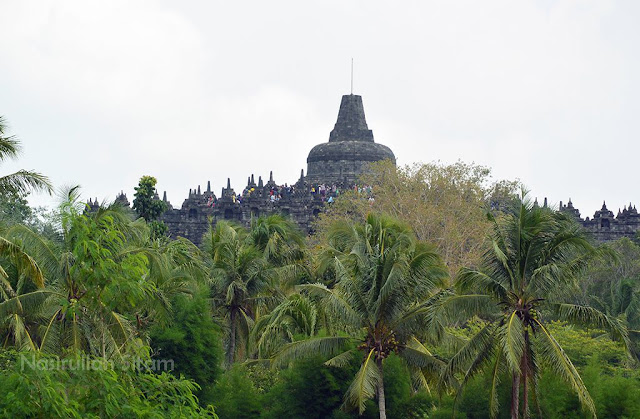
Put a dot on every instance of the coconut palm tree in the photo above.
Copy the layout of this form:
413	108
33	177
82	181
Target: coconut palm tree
238	273
175	267
20	272
16	265
534	256
384	278
296	315
280	312
283	248
21	181
278	238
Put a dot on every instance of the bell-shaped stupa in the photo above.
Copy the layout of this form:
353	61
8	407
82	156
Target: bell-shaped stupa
349	150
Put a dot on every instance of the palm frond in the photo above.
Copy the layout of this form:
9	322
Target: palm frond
494	405
323	346
43	251
24	261
511	335
24	181
476	280
30	302
558	360
342	359
589	316
364	385
470	357
334	302
417	355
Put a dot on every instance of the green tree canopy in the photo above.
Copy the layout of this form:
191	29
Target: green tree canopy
533	256
192	340
148	206
443	204
384	279
97	290
238	273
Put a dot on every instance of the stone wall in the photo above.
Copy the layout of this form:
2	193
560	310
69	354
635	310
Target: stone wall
604	226
202	210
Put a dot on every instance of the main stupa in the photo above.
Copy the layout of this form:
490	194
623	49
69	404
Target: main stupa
349	150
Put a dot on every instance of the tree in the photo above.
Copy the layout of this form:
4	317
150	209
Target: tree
14	208
278	238
287	312
444	205
98	279
283	249
235	395
533	256
148	206
176	268
19	273
21	181
384	279
308	389
296	315
191	340
238	271
612	285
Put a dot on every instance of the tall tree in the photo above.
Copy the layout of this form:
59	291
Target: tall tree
283	248
192	340
444	205
278	238
613	284
295	315
533	257
148	206
21	181
238	271
19	273
384	279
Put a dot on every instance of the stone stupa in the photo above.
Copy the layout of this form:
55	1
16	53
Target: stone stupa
349	150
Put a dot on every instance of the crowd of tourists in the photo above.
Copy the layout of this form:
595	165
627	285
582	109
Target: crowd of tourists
323	192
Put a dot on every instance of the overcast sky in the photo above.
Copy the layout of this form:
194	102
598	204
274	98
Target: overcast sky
103	92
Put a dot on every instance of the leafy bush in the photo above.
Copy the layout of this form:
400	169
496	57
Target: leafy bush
193	341
309	389
96	393
235	395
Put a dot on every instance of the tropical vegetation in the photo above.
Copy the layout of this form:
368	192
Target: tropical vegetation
449	296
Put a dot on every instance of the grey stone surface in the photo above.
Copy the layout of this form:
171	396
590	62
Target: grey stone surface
350	147
604	226
200	210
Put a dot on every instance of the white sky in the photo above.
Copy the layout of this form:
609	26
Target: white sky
103	92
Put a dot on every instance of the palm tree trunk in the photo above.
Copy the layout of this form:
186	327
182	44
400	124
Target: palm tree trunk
232	337
381	402
515	395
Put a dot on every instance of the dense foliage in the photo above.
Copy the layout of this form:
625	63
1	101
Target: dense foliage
535	254
445	205
446	296
192	340
147	205
96	393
